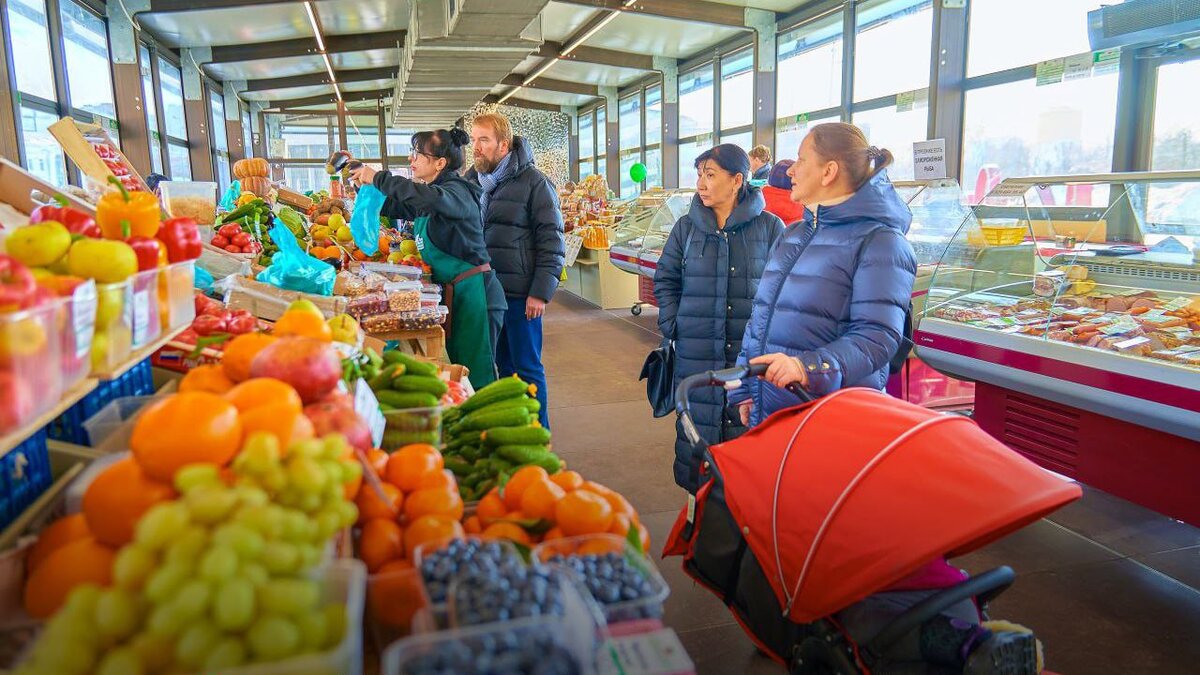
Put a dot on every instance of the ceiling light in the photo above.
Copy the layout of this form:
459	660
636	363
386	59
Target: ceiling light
508	95
595	29
539	72
312	18
329	69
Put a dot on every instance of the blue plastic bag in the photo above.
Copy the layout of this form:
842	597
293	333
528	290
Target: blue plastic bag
364	222
203	280
229	201
293	269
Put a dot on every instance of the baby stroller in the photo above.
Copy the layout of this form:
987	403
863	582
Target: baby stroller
827	507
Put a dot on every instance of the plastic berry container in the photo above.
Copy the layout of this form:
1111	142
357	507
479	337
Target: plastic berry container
648	605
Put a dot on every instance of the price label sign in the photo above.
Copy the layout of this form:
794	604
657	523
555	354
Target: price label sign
141	318
367	407
929	159
83	317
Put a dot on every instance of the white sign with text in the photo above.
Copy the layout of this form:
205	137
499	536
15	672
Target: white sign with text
929	159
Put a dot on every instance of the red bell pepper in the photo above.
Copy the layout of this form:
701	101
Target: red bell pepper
76	221
151	253
182	239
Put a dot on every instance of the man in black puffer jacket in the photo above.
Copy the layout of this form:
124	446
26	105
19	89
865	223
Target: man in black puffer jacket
523	227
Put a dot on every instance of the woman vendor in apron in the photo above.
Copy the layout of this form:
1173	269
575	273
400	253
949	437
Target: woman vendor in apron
444	209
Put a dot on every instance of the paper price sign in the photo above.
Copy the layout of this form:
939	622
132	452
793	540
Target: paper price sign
367	407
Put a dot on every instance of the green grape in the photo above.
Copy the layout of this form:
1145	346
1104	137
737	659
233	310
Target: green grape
333	475
162	584
117	615
307	474
272	638
288	596
306	449
194	645
255	573
335	624
280	558
297	526
218	564
310	502
266	520
64	656
334	446
166	621
313	630
351	470
348	511
251	496
328	522
196	475
210	505
133	565
260	453
246	542
192	599
69	628
274	480
161	524
228	653
188	545
121	661
81	601
156	652
310	555
235	604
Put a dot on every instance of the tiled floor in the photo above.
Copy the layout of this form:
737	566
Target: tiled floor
1108	586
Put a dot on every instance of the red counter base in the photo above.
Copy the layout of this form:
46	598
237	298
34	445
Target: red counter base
1145	466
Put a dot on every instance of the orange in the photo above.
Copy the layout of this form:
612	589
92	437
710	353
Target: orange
370	506
620	525
619	504
472	525
516	485
540	499
644	534
240	351
409	465
429	529
116	500
83	561
261	391
58	534
583	512
186	428
595	488
378	460
509	531
552	534
440	501
350	489
394	595
567	480
397	565
442	479
278	419
599	546
381	542
304	324
209	377
490	508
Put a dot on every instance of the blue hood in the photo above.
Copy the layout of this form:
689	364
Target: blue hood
744	212
876	200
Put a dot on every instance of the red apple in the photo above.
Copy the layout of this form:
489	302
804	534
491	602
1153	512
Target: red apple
16	401
332	418
311	366
339	397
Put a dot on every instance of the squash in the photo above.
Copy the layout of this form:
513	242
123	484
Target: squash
250	168
256	184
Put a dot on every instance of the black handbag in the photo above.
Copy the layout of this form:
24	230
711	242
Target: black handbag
659	373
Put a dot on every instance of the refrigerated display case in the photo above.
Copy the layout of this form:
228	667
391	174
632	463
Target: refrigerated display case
642	232
1074	304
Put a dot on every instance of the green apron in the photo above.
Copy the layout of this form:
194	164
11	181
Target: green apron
468	340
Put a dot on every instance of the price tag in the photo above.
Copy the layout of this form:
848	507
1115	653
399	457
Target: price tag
367	407
1106	61
1120	326
573	243
1077	67
1009	189
141	318
1050	72
1177	303
83	317
904	101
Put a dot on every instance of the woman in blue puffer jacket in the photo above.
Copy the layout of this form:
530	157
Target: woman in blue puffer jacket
830	309
706	279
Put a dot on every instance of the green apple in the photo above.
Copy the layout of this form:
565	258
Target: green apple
39	245
303	305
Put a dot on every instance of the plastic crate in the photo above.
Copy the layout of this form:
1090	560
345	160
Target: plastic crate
31	379
648	607
70	426
412	425
24	475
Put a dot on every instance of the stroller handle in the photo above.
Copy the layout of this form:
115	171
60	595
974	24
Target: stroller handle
713	378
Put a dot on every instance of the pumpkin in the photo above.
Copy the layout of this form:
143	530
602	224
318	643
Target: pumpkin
257	184
250	168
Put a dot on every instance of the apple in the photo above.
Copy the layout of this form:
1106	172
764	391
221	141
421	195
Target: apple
16	284
16	400
311	366
303	305
219	241
332	418
229	230
40	244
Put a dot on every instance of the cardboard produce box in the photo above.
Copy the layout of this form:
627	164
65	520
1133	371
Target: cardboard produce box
83	143
16	203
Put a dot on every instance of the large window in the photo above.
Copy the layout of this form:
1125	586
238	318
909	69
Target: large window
653	152
896	131
248	133
1011	33
37	100
170	86
219	143
587	143
737	97
630	125
362	135
809	79
695	120
89	78
146	66
892	47
602	140
1176	125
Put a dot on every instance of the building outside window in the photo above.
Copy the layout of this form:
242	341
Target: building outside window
809	80
1176	125
695	120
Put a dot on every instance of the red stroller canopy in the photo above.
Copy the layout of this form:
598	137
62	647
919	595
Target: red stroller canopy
841	498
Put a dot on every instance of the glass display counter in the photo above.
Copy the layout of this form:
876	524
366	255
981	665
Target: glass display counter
1074	303
644	227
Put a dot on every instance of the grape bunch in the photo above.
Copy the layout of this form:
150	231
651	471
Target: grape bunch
505	653
464	558
612	579
221	576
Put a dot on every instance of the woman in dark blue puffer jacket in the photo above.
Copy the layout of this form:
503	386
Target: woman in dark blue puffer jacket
831	306
707	276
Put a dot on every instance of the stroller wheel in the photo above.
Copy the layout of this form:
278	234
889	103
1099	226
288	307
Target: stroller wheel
816	656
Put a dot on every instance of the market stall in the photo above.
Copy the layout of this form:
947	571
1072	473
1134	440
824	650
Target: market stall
590	216
642	233
1072	303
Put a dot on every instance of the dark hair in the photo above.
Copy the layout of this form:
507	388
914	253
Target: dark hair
732	159
443	144
778	177
847	145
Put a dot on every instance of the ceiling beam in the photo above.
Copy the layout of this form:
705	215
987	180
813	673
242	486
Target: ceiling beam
598	56
545	84
523	103
311	79
700	11
281	49
166	6
347	96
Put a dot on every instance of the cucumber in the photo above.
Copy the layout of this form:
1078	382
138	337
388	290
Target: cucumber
423	383
458	466
522	454
550	462
406	399
384	378
396	439
412	364
517	436
512	417
451	416
470	453
485	487
501	389
469	438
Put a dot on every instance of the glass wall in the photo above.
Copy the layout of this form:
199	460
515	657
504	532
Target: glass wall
1176	124
146	67
737	98
587	143
809	79
218	141
629	112
170	86
89	79
695	120
602	140
652	156
247	133
37	100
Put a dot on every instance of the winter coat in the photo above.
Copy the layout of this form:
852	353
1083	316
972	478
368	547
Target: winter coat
704	303
834	294
780	203
523	227
763	172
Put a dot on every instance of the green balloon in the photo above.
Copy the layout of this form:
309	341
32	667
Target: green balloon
638	172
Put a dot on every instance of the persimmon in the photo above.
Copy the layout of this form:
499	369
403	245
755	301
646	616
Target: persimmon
371	506
381	542
117	498
208	377
567	480
438	500
509	531
83	561
516	485
240	352
261	391
409	465
583	512
430	529
490	508
540	499
304	324
56	535
186	428
278	419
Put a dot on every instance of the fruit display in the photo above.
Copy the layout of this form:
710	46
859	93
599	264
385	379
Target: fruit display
330	213
618	576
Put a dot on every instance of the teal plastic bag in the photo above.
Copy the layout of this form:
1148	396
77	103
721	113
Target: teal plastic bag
293	269
364	222
203	280
229	201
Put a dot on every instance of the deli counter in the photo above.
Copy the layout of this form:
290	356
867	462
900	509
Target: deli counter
1074	304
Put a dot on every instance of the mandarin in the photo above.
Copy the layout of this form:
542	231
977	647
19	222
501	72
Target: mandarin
371	506
431	529
240	352
517	483
411	464
58	534
186	428
583	512
117	498
83	561
209	377
262	391
381	541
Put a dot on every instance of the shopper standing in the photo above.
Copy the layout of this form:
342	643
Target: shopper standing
706	280
444	209
523	228
760	162
778	193
830	310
